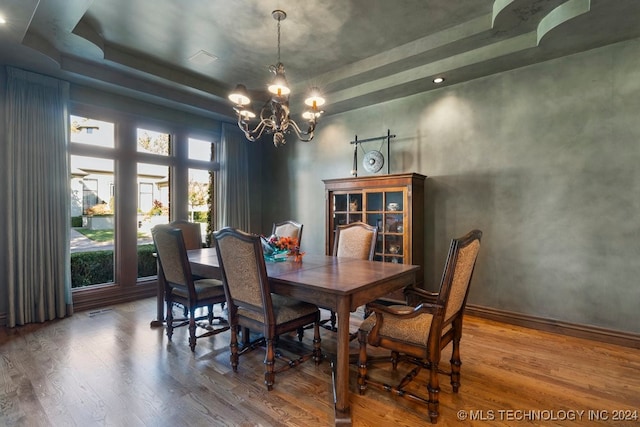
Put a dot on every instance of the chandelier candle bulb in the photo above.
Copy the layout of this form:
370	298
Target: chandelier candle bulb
247	114
240	96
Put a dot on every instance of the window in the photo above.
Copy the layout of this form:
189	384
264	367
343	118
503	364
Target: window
199	199
153	142
92	236
153	209
200	149
126	179
88	131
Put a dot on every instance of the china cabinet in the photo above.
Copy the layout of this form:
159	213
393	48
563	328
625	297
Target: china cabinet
394	204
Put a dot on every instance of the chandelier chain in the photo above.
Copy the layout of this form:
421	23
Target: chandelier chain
279	40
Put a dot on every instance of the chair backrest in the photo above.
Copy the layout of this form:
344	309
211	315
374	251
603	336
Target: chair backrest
244	273
288	228
355	240
191	233
457	275
172	256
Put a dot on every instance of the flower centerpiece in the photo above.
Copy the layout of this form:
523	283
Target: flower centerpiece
277	248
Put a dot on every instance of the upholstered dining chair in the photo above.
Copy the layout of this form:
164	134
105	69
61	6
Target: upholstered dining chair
417	334
180	287
252	306
288	228
354	240
191	233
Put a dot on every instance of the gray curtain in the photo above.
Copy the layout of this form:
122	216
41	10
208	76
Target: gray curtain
36	179
232	191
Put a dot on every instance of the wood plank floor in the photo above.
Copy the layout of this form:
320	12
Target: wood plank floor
110	368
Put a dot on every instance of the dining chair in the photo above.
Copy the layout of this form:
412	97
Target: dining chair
180	287
288	228
354	240
192	234
417	333
252	306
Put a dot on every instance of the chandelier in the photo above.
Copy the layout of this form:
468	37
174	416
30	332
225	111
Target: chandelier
274	114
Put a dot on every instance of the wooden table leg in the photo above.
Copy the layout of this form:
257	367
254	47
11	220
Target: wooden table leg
341	386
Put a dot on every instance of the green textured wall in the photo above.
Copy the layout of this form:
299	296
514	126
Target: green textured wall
544	159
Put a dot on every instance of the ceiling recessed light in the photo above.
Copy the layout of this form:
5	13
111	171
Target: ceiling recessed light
2	20
438	80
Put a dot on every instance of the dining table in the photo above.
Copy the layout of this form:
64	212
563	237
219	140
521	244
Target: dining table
333	283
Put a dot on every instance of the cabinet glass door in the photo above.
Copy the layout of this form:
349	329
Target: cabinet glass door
384	210
347	208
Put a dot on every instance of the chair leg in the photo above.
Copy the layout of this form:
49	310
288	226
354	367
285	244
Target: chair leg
246	337
434	390
233	346
269	361
455	365
362	362
169	319
317	351
192	328
210	314
333	321
395	356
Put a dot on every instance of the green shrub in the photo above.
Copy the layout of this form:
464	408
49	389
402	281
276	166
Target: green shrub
76	221
96	267
200	216
91	268
146	261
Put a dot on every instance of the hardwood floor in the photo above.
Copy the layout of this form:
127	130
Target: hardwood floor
110	368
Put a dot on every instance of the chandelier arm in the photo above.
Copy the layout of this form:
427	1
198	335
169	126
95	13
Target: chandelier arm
267	113
252	135
256	133
304	136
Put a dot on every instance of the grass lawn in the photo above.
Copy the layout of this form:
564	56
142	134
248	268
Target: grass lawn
102	235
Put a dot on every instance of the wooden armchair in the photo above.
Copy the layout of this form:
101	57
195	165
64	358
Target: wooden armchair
252	305
180	287
419	334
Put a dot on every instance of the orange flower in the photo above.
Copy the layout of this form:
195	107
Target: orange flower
288	243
